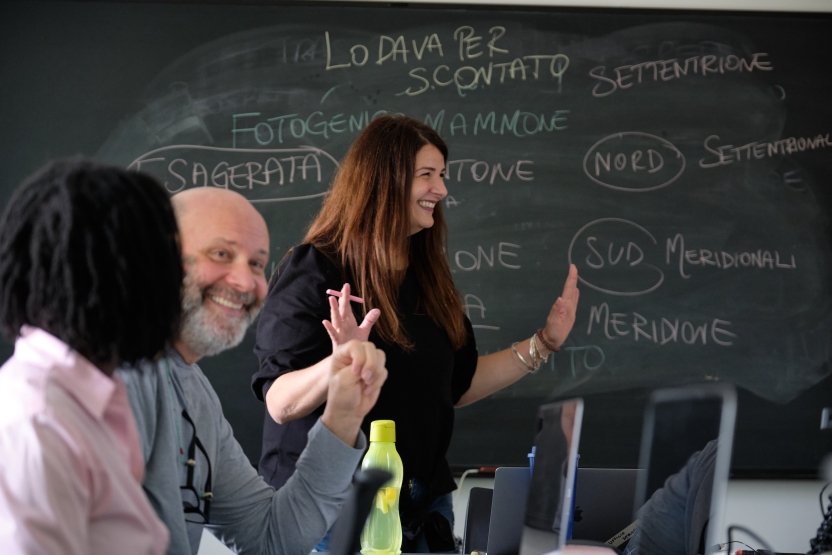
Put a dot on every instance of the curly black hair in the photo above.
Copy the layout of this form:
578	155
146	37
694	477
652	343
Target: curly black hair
90	253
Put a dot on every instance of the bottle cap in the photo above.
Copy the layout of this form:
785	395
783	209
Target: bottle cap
383	430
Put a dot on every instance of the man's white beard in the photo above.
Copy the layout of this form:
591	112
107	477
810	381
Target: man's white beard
208	333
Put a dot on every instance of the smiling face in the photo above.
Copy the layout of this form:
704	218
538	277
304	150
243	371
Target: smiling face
428	187
225	248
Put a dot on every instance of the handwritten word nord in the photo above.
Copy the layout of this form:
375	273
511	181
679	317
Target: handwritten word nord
665	70
723	260
469	262
481	171
723	155
634	162
636	327
298	173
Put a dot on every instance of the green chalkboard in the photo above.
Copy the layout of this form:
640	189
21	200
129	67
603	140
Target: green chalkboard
680	159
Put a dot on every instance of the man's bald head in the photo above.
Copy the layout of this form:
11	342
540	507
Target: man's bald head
225	248
204	204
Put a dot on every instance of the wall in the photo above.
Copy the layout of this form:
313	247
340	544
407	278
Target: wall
785	513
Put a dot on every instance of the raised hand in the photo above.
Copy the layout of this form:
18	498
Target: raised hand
342	326
562	316
357	373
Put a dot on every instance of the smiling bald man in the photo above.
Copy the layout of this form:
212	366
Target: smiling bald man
197	475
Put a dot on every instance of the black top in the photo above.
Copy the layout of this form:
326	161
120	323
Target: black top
422	386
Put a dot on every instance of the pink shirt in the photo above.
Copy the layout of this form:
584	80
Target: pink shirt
70	460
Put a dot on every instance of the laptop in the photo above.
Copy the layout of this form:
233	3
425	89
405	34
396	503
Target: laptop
549	508
686	455
603	502
508	509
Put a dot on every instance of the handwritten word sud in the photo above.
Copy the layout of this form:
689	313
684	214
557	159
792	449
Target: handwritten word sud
636	327
249	171
264	131
464	78
627	76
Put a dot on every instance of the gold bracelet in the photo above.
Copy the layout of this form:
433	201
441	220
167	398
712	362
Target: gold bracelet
527	368
537	354
536	358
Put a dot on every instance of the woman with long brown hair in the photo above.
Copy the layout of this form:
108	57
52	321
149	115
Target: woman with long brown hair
381	229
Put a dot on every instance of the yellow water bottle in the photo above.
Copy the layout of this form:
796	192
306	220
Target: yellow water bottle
382	535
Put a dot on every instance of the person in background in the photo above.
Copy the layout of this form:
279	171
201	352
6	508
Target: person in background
381	229
197	474
81	246
674	521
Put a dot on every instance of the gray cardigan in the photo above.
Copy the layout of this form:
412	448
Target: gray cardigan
246	514
674	521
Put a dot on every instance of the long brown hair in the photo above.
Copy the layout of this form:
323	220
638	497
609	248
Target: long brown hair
365	223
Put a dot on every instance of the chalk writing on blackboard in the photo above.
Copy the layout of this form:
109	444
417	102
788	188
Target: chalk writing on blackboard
725	154
464	78
647	281
266	130
474	302
303	171
667	70
688	208
634	326
634	162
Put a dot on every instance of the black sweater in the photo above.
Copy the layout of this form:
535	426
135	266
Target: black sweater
422	386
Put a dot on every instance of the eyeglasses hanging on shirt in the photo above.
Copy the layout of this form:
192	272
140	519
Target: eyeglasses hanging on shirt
196	504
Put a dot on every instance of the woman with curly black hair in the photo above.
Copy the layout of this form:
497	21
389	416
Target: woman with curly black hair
90	277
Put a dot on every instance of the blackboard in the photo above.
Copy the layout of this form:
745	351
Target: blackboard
680	159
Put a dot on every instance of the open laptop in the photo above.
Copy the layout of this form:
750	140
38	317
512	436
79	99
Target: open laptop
603	502
686	452
548	515
508	509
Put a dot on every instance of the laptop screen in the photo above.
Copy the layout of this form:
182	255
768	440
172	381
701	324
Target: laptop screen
686	452
551	493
